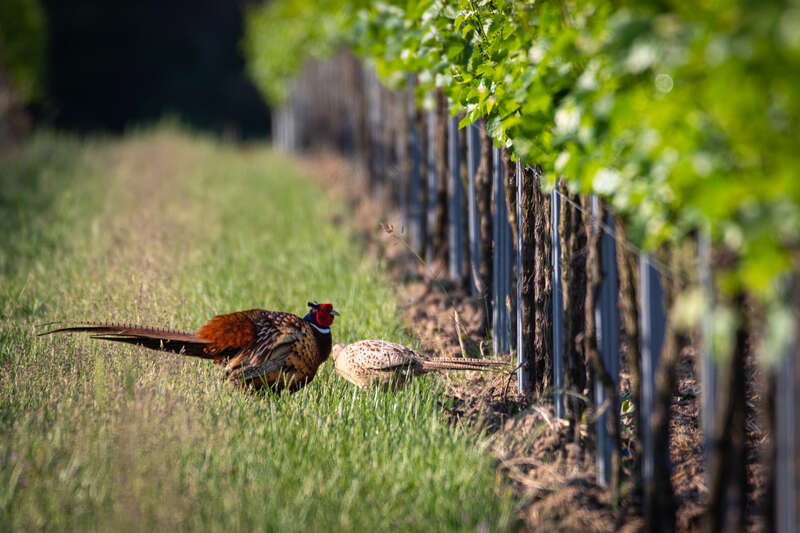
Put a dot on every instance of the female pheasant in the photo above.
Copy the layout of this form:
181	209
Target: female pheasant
258	348
375	362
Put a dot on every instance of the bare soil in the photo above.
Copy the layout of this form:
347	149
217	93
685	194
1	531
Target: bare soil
554	479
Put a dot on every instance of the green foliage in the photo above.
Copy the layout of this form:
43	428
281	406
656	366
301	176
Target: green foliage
681	115
281	36
23	46
102	437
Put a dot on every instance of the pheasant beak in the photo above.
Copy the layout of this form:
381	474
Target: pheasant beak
334	312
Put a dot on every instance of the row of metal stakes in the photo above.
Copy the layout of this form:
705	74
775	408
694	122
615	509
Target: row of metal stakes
651	305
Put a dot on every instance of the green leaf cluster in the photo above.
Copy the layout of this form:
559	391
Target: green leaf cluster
682	115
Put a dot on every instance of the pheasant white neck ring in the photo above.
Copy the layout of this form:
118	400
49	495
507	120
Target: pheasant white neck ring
322	330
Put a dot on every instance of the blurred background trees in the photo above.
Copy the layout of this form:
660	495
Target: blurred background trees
90	65
22	62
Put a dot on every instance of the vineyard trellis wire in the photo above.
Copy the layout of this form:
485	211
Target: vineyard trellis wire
461	250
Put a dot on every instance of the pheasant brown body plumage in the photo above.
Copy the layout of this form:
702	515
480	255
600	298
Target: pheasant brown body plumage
258	348
383	363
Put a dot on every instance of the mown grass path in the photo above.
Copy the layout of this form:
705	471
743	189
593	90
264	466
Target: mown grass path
166	228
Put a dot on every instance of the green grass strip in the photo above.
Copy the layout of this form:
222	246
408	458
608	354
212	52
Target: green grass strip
166	228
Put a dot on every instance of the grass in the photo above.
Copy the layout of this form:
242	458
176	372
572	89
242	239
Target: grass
167	228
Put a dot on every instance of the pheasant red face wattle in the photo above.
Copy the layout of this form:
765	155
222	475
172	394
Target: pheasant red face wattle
324	319
322	314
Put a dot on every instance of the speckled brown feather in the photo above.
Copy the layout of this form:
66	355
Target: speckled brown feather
377	362
282	343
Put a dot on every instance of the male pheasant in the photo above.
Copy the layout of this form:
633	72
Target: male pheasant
258	348
376	362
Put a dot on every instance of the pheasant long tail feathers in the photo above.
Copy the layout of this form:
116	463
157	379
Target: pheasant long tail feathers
460	363
167	340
